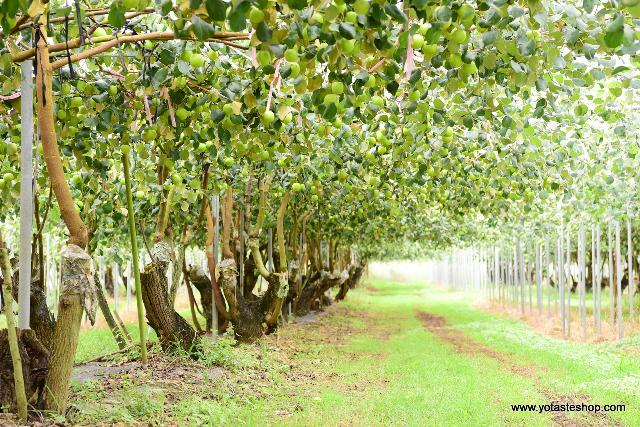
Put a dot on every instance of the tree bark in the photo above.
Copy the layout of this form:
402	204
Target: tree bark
35	364
355	274
77	282
177	274
319	283
172	330
44	81
41	319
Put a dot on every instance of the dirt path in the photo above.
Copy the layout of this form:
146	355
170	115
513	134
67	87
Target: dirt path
439	327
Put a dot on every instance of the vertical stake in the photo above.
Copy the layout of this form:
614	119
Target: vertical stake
134	256
26	195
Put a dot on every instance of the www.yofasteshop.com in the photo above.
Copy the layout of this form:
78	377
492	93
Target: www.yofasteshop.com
568	407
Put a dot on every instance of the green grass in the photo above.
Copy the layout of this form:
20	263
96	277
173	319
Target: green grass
387	371
608	372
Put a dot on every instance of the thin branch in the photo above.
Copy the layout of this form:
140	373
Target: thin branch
109	42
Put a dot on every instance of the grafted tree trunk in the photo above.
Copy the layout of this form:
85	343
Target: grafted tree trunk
171	328
254	316
245	314
77	285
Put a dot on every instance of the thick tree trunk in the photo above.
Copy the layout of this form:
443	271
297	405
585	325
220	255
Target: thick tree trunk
355	274
247	322
171	328
252	318
35	364
77	285
319	283
250	278
41	319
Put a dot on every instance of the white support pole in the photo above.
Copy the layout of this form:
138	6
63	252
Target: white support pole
529	279
514	278
612	313
619	273
26	195
630	263
598	283
593	275
548	272
569	280
561	276
556	269
539	277
583	273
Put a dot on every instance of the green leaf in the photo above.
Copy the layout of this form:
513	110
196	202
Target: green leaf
159	77
330	112
116	15
217	9
588	5
528	48
237	17
615	32
201	29
489	38
63	11
347	30
263	32
297	4
395	13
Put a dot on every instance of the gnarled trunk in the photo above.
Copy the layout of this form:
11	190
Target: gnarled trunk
355	274
35	364
171	328
40	318
252	317
319	283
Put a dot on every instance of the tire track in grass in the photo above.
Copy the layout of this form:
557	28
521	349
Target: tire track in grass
438	326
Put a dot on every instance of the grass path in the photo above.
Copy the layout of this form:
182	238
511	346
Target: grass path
393	354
